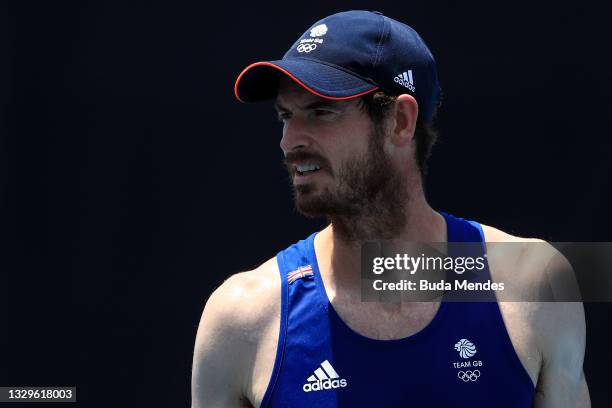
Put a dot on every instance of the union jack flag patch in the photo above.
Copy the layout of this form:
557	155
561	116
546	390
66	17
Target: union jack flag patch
299	273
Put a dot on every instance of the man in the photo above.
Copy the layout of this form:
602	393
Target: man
357	94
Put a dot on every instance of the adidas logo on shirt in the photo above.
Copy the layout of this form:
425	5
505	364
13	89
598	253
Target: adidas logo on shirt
405	80
324	378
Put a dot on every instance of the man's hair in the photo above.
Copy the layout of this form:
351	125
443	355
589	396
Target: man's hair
378	105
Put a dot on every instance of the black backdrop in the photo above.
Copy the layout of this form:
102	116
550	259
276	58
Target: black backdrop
132	183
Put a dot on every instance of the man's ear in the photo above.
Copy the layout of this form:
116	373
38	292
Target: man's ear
405	117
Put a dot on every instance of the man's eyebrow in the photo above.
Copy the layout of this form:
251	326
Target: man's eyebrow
322	104
279	107
311	106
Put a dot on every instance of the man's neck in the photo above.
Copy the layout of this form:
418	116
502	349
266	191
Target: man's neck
341	259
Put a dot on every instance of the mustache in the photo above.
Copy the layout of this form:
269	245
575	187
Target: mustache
298	156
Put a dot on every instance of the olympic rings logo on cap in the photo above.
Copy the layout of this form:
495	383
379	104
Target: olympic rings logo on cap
468	375
306	47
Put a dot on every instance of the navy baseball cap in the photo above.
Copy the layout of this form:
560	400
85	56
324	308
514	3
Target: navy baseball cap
347	55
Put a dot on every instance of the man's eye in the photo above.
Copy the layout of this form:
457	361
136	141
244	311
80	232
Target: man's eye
283	116
322	112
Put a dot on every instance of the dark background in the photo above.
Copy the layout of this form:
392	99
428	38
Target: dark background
132	183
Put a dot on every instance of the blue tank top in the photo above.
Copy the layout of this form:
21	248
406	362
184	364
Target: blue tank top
462	358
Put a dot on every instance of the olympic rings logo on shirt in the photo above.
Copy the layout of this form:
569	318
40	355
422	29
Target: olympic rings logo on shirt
468	375
306	47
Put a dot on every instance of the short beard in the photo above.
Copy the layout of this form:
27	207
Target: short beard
369	201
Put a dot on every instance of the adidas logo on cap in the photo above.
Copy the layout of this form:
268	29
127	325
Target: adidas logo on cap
405	80
324	378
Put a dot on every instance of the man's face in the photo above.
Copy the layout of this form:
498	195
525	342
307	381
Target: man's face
335	156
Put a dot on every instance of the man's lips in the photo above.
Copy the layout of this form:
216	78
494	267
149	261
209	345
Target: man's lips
302	158
304	170
303	166
302	178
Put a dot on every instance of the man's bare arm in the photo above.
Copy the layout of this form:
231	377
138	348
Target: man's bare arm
236	342
561	382
561	334
220	352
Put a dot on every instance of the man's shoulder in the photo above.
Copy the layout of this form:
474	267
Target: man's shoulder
493	234
239	320
531	255
239	314
529	263
537	275
540	310
247	299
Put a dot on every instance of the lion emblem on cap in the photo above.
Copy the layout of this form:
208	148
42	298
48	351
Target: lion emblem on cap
318	31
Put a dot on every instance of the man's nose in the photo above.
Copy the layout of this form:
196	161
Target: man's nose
295	135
